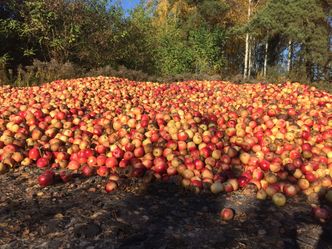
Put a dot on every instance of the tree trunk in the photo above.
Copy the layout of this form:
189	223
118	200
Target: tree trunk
265	56
309	71
327	72
246	55
249	57
290	55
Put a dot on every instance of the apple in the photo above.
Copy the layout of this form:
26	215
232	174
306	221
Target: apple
34	154
245	157
321	213
227	214
111	186
261	194
279	199
46	179
42	162
87	171
3	168
216	187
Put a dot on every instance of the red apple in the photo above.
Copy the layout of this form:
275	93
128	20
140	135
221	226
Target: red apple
227	214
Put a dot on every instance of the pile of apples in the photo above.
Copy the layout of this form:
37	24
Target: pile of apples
213	134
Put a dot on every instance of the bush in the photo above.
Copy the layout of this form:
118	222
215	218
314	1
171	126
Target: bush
188	76
298	74
122	72
130	74
40	72
3	76
276	74
322	85
237	78
106	71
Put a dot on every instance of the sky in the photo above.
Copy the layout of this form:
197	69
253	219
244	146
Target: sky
129	4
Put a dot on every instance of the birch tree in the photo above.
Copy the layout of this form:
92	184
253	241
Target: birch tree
247	49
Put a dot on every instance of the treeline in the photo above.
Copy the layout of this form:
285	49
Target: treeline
42	40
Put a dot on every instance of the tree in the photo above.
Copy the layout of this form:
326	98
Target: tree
80	31
137	47
167	37
247	56
189	37
302	26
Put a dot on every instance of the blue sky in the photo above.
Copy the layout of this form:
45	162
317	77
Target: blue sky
129	4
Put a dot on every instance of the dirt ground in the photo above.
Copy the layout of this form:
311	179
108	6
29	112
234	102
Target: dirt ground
155	215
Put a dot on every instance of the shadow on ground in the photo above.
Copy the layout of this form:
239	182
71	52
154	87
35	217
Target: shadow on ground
155	215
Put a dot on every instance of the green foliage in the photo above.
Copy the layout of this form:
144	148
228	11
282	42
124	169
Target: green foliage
172	54
206	49
198	51
177	38
305	23
136	42
212	11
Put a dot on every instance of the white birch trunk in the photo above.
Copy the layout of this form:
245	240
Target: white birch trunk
246	55
249	57
265	57
289	58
